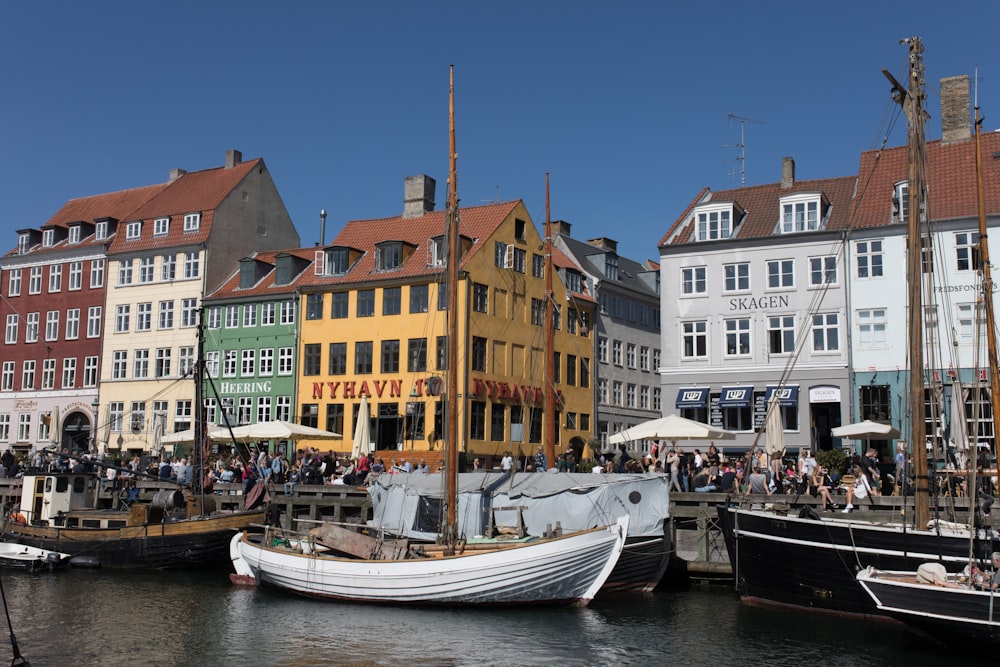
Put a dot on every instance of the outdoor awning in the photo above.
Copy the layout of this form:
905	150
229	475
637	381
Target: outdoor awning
735	397
692	397
787	395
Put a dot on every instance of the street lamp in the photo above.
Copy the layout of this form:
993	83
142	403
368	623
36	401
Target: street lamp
94	408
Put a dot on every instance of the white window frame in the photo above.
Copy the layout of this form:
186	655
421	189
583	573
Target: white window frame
736	277
713	223
14	282
800	213
192	222
96	273
823	270
55	278
75	281
780	274
826	332
133	230
94	321
161	226
872	325
72	323
694	280
737	337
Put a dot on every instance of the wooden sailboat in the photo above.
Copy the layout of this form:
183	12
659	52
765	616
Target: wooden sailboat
796	558
328	563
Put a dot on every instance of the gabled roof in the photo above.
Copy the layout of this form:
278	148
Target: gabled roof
195	192
591	260
563	261
266	286
477	223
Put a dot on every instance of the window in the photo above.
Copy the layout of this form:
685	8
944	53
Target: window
519	260
826	332
537	312
901	201
616	392
417	355
442	353
714	224
389	256
799	216
571	369
630	355
166	318
192	221
185	360
616	352
133	230
656	360
694	340
90	371
283	408
249	315
14	282
52	325
481	298
477	420
212	363
191	264
390	356
871	329
287	313
392	300
232	317
140	364
693	280
311	357
781	334
101	231
314	306
31	329
875	402
266	366
927	254
418	299
822	270
338	359
74	234
284	361
96	273
28	374
967	253
189	312
137	422
338	307
75	276
48	374
500	254
48	235
163	355
737	277
538	266
478	354
55	277
72	324
119	365
125	272
144	316
780	273
146	270
264	409
10	333
309	415
214	319
23	243
182	415
161	226
24	426
366	303
168	267
35	280
229	362
7	376
267	314
337	261
122	317
737	337
363	357
602	349
94	322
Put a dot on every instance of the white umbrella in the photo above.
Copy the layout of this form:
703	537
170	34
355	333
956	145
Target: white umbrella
673	428
362	432
276	430
866	430
105	432
186	437
775	443
55	433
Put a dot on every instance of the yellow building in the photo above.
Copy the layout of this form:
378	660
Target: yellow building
374	326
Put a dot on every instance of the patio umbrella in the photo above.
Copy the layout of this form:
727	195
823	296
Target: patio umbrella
775	430
672	428
55	433
362	432
276	430
105	432
866	430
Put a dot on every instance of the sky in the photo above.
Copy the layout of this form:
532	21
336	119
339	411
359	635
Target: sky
632	108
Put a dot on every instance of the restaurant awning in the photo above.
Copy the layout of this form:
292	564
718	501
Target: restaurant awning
735	397
787	395
692	397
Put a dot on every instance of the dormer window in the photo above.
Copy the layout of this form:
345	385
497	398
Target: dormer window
48	235
389	256
901	203
74	234
161	226
714	223
23	243
573	281
800	213
611	266
133	231
337	261
101	231
192	222
437	251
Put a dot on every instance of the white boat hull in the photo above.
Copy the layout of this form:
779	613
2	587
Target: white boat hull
566	570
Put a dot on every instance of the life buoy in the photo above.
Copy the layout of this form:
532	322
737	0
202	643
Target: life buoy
17	517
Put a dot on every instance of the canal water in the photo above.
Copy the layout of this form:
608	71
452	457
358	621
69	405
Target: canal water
100	617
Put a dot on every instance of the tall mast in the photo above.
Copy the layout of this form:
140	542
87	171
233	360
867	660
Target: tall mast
200	432
450	534
550	388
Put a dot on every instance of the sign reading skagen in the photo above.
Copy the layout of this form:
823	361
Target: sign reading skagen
263	387
759	302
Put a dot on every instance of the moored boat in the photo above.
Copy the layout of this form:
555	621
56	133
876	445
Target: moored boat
24	557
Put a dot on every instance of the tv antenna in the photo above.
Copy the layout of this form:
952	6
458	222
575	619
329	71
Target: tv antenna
741	147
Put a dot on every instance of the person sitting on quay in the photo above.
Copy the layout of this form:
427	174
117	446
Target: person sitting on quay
727	482
860	488
540	459
757	482
706	481
292	480
818	488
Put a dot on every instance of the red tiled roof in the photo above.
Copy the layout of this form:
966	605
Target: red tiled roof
231	287
476	223
563	261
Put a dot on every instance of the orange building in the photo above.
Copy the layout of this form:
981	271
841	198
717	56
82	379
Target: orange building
374	326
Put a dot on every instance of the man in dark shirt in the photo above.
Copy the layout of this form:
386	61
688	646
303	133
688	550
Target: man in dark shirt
727	482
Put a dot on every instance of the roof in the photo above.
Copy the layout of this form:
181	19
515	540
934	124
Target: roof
230	289
591	261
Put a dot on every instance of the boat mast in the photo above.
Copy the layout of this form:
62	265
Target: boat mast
200	432
450	533
550	389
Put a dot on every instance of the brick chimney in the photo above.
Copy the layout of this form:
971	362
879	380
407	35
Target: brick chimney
418	195
560	227
176	173
955	125
233	158
604	243
787	173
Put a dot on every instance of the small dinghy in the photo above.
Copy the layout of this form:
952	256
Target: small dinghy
23	557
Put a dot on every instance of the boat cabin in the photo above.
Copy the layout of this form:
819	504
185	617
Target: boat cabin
46	497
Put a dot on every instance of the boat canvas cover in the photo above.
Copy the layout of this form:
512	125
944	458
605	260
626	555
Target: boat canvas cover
409	504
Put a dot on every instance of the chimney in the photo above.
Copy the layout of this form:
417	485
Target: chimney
418	195
233	158
955	109
560	227
604	243
787	173
176	173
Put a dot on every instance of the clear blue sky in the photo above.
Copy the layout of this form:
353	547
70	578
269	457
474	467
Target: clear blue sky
625	104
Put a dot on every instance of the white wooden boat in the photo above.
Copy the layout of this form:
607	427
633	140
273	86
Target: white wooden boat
24	557
566	570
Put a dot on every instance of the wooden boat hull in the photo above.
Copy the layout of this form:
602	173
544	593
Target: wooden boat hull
812	563
33	559
564	571
956	617
201	542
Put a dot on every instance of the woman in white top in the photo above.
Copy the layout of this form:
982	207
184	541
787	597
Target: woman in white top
860	489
